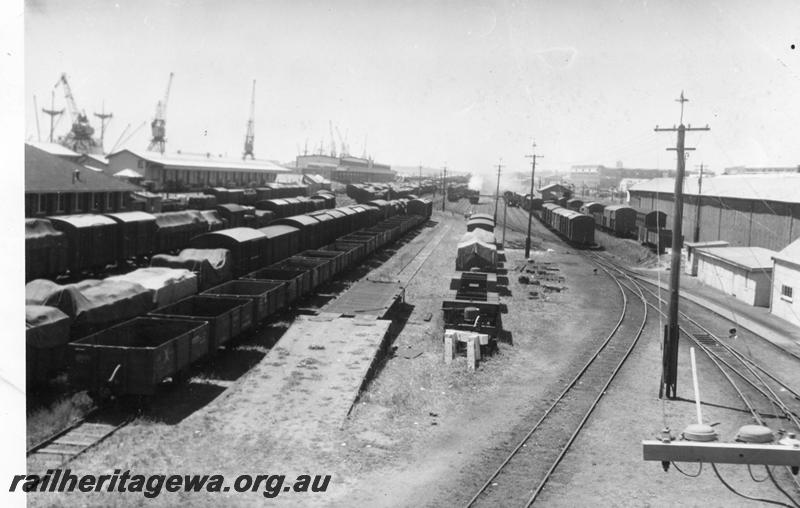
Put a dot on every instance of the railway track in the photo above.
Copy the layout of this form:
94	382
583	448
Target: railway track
767	398
66	445
788	352
413	266
520	478
712	339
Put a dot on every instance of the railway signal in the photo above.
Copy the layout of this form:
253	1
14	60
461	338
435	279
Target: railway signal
669	376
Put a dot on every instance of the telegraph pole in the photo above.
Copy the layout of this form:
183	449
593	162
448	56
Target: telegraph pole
419	183
505	214
669	375
497	192
533	158
444	187
699	203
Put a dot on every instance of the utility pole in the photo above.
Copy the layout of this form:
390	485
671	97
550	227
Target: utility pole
699	203
419	183
669	375
444	187
533	158
52	112
497	192
505	214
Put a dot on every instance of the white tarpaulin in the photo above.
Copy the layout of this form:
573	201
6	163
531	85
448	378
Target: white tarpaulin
473	252
167	284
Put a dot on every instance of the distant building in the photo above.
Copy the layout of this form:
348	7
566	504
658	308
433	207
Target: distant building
599	177
182	172
316	182
345	169
785	302
743	210
57	185
742	272
742	170
553	191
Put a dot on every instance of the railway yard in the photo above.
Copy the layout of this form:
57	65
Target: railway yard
349	381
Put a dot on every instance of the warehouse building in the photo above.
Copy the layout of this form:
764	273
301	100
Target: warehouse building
345	169
742	272
743	210
739	170
59	185
785	301
183	172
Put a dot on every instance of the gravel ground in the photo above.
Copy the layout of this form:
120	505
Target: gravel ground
425	434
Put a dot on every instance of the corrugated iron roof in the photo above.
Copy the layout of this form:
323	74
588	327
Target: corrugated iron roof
45	172
749	258
771	187
215	163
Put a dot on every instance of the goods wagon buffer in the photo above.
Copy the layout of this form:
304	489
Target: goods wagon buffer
474	306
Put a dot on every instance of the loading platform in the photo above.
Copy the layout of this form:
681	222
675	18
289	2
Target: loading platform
309	381
370	297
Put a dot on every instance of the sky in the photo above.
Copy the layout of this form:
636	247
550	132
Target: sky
467	84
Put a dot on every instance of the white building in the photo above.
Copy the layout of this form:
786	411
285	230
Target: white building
690	249
786	284
742	272
180	172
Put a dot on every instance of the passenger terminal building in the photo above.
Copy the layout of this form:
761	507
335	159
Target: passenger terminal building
182	172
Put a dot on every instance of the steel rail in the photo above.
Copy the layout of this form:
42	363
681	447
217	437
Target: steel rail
556	402
772	399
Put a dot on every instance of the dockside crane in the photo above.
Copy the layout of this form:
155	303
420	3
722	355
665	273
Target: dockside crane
52	113
159	124
343	143
250	135
364	153
79	139
36	112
